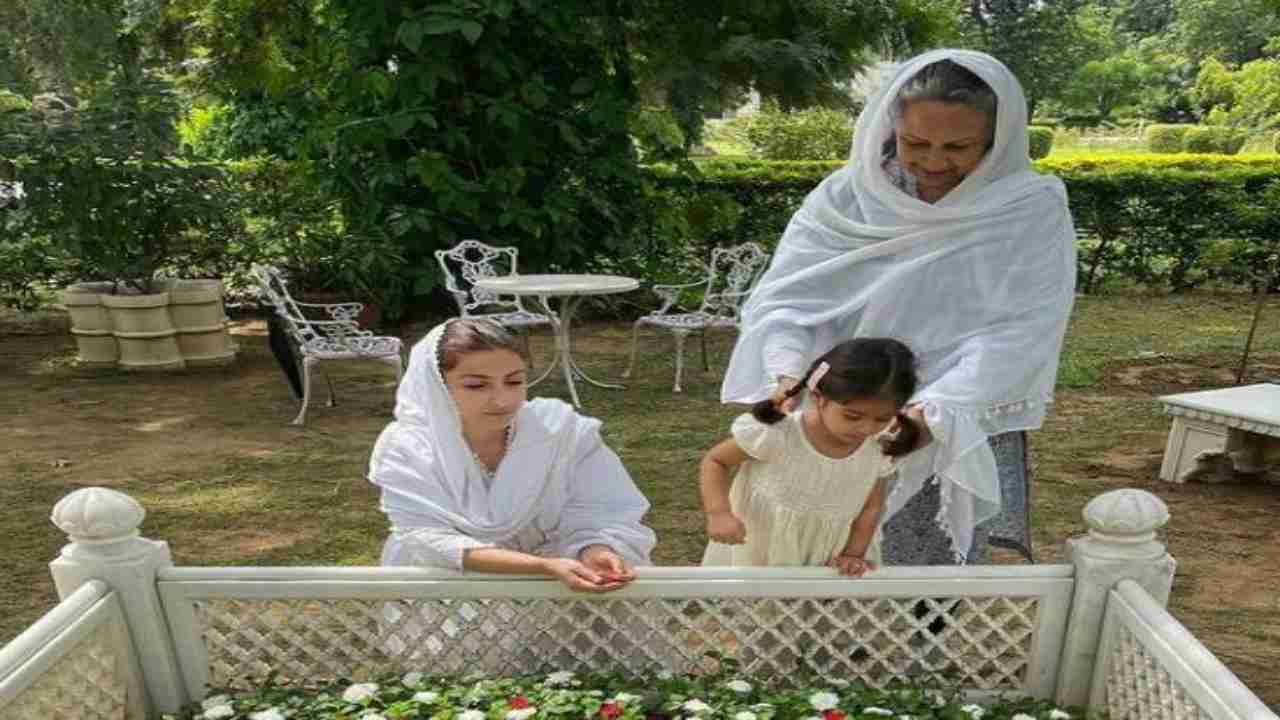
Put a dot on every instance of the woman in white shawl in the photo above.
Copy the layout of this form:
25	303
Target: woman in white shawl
476	477
939	234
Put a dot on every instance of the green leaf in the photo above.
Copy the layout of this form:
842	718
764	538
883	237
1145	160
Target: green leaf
410	35
472	31
582	86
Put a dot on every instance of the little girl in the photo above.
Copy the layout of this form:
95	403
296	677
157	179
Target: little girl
811	486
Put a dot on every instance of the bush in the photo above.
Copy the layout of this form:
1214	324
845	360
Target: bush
1146	219
1166	138
1214	139
1276	145
813	134
1041	141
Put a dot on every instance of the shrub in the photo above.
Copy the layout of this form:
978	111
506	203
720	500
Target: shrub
1276	145
1041	141
813	134
1166	138
1214	139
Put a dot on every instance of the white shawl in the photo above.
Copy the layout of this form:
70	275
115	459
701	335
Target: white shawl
432	487
980	285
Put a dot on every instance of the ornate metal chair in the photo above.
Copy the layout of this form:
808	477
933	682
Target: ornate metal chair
730	277
471	260
339	337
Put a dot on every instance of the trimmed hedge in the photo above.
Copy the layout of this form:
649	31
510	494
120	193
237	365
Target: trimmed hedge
1169	222
1041	140
1166	138
1214	139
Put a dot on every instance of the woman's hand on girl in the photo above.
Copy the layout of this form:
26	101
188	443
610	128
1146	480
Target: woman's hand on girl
851	565
779	397
725	527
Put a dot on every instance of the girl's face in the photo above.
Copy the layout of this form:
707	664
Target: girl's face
488	387
939	143
856	420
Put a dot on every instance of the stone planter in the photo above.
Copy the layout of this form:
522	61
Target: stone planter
196	308
144	331
90	324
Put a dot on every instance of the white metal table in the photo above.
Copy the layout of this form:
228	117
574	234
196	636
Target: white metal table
571	289
1241	421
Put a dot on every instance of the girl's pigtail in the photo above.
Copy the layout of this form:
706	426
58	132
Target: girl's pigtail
906	439
768	413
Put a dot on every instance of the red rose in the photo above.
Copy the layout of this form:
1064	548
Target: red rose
609	711
519	702
833	715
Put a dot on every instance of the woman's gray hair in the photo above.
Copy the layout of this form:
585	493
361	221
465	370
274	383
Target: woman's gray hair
468	335
949	82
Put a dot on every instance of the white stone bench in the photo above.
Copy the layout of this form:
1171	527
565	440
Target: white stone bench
1237	423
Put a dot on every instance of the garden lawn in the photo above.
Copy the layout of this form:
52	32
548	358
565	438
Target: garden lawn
226	481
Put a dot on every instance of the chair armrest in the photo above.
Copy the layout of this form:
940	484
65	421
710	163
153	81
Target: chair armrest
670	294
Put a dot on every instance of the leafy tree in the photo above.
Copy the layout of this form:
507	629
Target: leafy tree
1042	41
1234	31
1103	85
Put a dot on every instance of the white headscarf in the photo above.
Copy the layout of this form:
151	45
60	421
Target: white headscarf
425	468
979	285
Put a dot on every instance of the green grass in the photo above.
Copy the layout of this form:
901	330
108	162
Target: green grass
226	481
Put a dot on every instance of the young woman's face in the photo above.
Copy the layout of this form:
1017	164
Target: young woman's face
488	387
939	143
856	420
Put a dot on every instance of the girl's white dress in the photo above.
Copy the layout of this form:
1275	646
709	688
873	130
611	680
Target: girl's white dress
796	502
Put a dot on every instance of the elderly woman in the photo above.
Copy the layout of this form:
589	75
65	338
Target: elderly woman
939	234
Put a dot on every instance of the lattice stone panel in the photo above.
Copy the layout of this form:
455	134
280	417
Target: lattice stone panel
985	642
1138	688
87	684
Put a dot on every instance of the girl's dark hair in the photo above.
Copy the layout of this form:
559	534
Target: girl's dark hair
467	335
861	368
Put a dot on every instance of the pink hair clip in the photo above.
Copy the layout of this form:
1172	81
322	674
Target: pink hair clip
815	377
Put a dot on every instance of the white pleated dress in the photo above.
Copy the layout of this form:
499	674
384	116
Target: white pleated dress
796	502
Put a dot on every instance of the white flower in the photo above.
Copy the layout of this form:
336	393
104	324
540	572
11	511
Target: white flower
360	692
695	706
745	715
215	700
975	711
218	712
412	679
623	698
939	701
1056	714
1023	716
522	713
470	715
739	686
426	698
563	677
821	701
877	711
268	714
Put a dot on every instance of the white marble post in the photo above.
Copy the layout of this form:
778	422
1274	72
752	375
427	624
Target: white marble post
1121	544
102	525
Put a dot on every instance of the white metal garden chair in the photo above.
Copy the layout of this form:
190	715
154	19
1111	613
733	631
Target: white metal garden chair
730	277
471	260
339	337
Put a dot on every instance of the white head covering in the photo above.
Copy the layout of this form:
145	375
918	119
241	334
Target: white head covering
425	467
979	285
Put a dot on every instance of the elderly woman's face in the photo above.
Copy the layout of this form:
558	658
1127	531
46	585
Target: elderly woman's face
940	143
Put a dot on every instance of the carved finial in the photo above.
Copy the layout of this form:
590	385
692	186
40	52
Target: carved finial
98	515
1126	516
